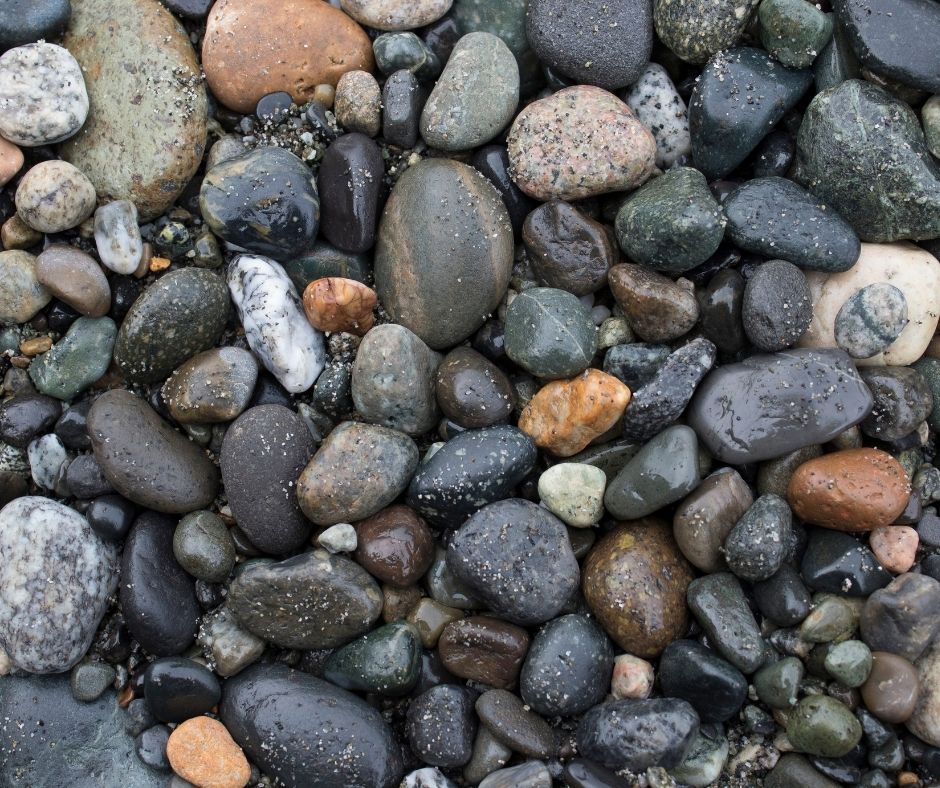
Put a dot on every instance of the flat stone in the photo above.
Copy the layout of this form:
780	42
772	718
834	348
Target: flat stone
510	722
697	30
484	649
117	237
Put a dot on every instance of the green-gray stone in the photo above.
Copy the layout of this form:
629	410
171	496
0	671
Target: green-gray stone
929	369
794	771
77	360
404	50
773	476
663	471
877	175
870	320
609	457
550	333
385	661
820	725
705	759
204	547
89	680
777	684
326	260
836	63
832	618
930	117
672	223
849	662
207	252
9	338
179	315
793	31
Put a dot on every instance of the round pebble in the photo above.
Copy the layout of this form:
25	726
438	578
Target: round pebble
54	196
871	320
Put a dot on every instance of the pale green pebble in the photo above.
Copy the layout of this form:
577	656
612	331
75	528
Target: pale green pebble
930	116
339	538
849	662
204	547
574	492
777	684
705	759
614	331
823	726
77	360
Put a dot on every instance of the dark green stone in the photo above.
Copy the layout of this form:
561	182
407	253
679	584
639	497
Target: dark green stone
396	51
794	771
385	661
849	662
325	260
77	360
836	63
793	31
823	726
672	223
777	684
609	457
863	152
929	368
204	547
636	363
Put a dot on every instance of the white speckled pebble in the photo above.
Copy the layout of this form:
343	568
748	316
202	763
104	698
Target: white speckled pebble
42	95
54	196
117	236
396	14
46	456
658	105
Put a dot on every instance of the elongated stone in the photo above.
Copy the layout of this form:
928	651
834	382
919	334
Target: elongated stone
117	236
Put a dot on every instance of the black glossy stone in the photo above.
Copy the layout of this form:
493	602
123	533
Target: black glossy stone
61	316
351	174
28	21
402	102
274	107
156	594
177	689
783	597
150	746
493	162
332	391
192	9
441	725
316	117
71	426
714	687
84	478
838	563
774	155
27	416
124	292
720	304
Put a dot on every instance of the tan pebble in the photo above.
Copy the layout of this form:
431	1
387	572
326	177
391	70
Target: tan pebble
158	264
337	304
895	547
358	103
908	780
75	278
632	677
325	95
11	161
16	234
202	751
143	268
35	345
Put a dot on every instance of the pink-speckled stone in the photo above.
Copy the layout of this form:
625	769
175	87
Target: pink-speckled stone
579	142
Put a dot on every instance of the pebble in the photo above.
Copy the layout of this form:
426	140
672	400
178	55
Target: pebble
892	687
658	106
358	103
333	304
47	457
532	774
634	580
201	751
574	492
657	308
776	309
441	725
54	196
395	546
776	218
632	677
635	363
475	97
930	119
83	476
870	320
793	32
384	661
697	30
512	724
715	688
526	573
705	760
23	21
48	548
672	223
230	647
144	68
264	201
778	683
43	94
339	538
416	263
11	161
902	617
252	49
638	734
820	725
177	689
484	649
757	545
76	361
402	102
838	563
22	295
551	153
472	391
902	401
276	328
157	596
564	416
894	547
203	547
358	470
27	416
849	662
351	173
308	729
404	51
117	236
211	387
396	14
75	278
90	680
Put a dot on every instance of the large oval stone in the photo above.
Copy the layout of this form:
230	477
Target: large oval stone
146	132
444	252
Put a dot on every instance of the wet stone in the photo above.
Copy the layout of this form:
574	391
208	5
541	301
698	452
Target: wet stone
473	391
117	237
714	687
511	723
902	401
351	174
658	106
903	617
402	102
203	546
871	320
783	598
441	725
838	563
758	543
777	307
484	649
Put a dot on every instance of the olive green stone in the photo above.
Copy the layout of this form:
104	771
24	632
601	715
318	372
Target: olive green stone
832	618
204	547
820	725
794	771
385	661
849	662
77	360
835	63
793	31
930	117
777	684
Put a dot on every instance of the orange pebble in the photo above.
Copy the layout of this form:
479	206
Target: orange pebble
202	751
337	304
895	547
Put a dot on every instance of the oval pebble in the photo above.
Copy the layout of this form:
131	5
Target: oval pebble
870	320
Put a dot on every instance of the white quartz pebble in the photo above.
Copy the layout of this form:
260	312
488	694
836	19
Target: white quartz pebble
117	236
658	106
46	456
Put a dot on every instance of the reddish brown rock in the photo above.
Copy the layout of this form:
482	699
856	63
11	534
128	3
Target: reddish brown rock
395	546
566	415
484	649
255	47
895	547
892	687
337	304
75	278
850	490
202	751
11	161
657	309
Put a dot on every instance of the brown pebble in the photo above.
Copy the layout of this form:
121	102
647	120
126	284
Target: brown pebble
657	309
892	687
74	277
337	304
11	161
16	234
35	345
395	546
895	546
399	602
430	617
202	751
484	649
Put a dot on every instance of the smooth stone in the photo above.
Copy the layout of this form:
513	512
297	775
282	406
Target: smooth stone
839	564
549	333
849	662
783	598
746	85
776	218
895	546
358	470
77	360
619	572
111	517
145	459
510	721
484	649
47	457
395	546
929	369
177	689
43	94
54	196
339	538
662	400
820	725
892	688
657	308
27	416
393	380
325	260
596	43
794	771
400	51
147	163
56	575
697	30
204	547
25	21
531	774
384	661
264	201
358	103
117	237
252	49
441	725
658	106
312	601
307	732
930	119
213	386
472	469
665	470
568	667
90	680
83	476
157	595
492	161
836	63
770	405
842	136
201	750
552	154
230	647
672	223
903	617
718	603
637	734
777	684
22	295
902	401
351	174
397	14
474	97
440	290
525	573
757	545
635	363
75	278
715	688
568	250
574	492
705	760
402	102
793	32
472	391
871	320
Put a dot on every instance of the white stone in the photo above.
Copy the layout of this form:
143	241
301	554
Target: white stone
429	777
56	575
275	325
632	677
396	14
658	106
117	236
21	294
46	456
42	95
574	492
54	196
339	538
914	271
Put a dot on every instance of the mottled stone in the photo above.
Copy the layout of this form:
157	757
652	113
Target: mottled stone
820	725
777	307
903	617
902	401
794	32
574	492
335	304
658	106
441	725
657	308
758	544
697	30
77	360
396	14
54	196
75	278
358	103
870	320
21	293
894	546
117	236
201	751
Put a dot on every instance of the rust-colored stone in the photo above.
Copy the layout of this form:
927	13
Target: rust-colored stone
35	345
202	751
895	547
337	304
850	490
395	546
11	161
484	649
566	415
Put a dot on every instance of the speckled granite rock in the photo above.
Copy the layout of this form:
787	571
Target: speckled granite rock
697	29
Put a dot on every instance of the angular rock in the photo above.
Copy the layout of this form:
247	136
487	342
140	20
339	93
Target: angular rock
658	106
